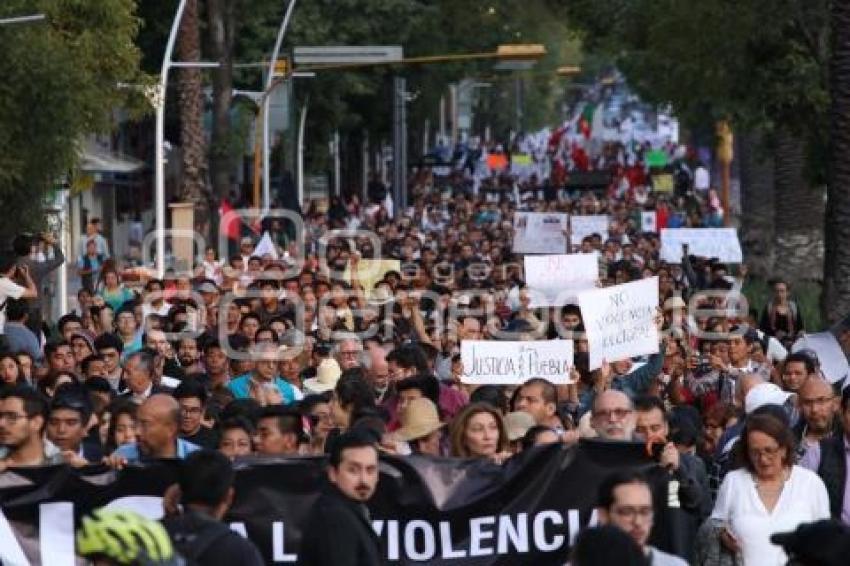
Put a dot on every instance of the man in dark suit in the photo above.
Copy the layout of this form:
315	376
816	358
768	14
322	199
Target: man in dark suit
339	529
139	377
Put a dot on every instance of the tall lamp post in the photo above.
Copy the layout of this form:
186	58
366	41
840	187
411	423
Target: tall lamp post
270	76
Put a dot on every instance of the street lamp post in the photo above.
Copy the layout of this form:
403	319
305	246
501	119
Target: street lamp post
284	24
159	158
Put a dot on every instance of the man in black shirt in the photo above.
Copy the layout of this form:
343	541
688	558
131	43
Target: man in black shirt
206	493
192	398
339	530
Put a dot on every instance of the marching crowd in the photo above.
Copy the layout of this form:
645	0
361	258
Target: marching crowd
290	353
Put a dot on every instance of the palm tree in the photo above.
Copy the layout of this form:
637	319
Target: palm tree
799	206
192	142
836	295
221	21
757	203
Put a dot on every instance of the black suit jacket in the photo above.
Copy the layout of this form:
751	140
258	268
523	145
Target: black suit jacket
338	533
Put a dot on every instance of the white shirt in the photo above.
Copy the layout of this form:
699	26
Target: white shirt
702	182
8	290
803	500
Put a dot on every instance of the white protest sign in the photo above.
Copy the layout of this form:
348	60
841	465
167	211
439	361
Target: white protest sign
488	362
554	280
583	226
721	243
833	361
265	247
619	321
648	221
540	233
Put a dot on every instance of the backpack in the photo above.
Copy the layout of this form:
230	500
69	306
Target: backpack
193	545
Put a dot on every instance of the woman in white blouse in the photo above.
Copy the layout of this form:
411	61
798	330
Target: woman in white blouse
769	494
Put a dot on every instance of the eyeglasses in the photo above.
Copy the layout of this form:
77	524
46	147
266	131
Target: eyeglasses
819	402
191	410
631	513
12	417
617	414
770	452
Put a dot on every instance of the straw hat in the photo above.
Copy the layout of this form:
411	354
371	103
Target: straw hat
517	424
327	374
419	418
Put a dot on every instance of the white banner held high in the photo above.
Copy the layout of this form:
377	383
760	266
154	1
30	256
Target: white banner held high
540	233
619	321
554	280
721	243
487	362
582	226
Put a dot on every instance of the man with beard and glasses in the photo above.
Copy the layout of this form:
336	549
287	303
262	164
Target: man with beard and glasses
339	530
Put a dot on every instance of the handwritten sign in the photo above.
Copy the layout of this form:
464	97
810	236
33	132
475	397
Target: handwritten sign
540	233
487	362
583	226
721	243
619	321
554	280
648	221
370	271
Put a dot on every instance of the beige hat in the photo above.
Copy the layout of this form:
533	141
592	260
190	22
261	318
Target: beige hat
419	418
675	302
518	424
327	374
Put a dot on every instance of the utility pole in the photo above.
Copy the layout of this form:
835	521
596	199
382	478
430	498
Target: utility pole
399	145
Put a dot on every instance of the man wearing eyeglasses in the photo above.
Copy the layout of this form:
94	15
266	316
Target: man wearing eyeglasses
625	501
192	398
830	458
23	414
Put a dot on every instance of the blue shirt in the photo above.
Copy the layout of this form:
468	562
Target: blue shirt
241	388
132	454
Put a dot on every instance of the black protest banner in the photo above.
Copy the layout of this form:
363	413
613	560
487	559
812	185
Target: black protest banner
439	511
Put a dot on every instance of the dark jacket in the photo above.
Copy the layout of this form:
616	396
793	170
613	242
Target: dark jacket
833	472
201	539
338	532
39	270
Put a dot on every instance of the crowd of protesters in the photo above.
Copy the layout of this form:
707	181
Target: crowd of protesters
289	353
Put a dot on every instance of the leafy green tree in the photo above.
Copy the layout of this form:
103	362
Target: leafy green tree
61	77
759	63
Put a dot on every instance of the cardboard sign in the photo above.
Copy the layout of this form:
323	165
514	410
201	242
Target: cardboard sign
833	361
583	226
513	363
370	271
540	233
721	243
663	184
648	221
554	280
619	321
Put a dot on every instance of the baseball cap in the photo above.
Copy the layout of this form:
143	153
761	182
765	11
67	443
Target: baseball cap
765	394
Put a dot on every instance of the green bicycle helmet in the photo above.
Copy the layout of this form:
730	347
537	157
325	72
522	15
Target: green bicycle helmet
125	537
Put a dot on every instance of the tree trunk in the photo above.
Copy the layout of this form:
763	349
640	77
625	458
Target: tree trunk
836	267
757	203
220	21
192	142
799	212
